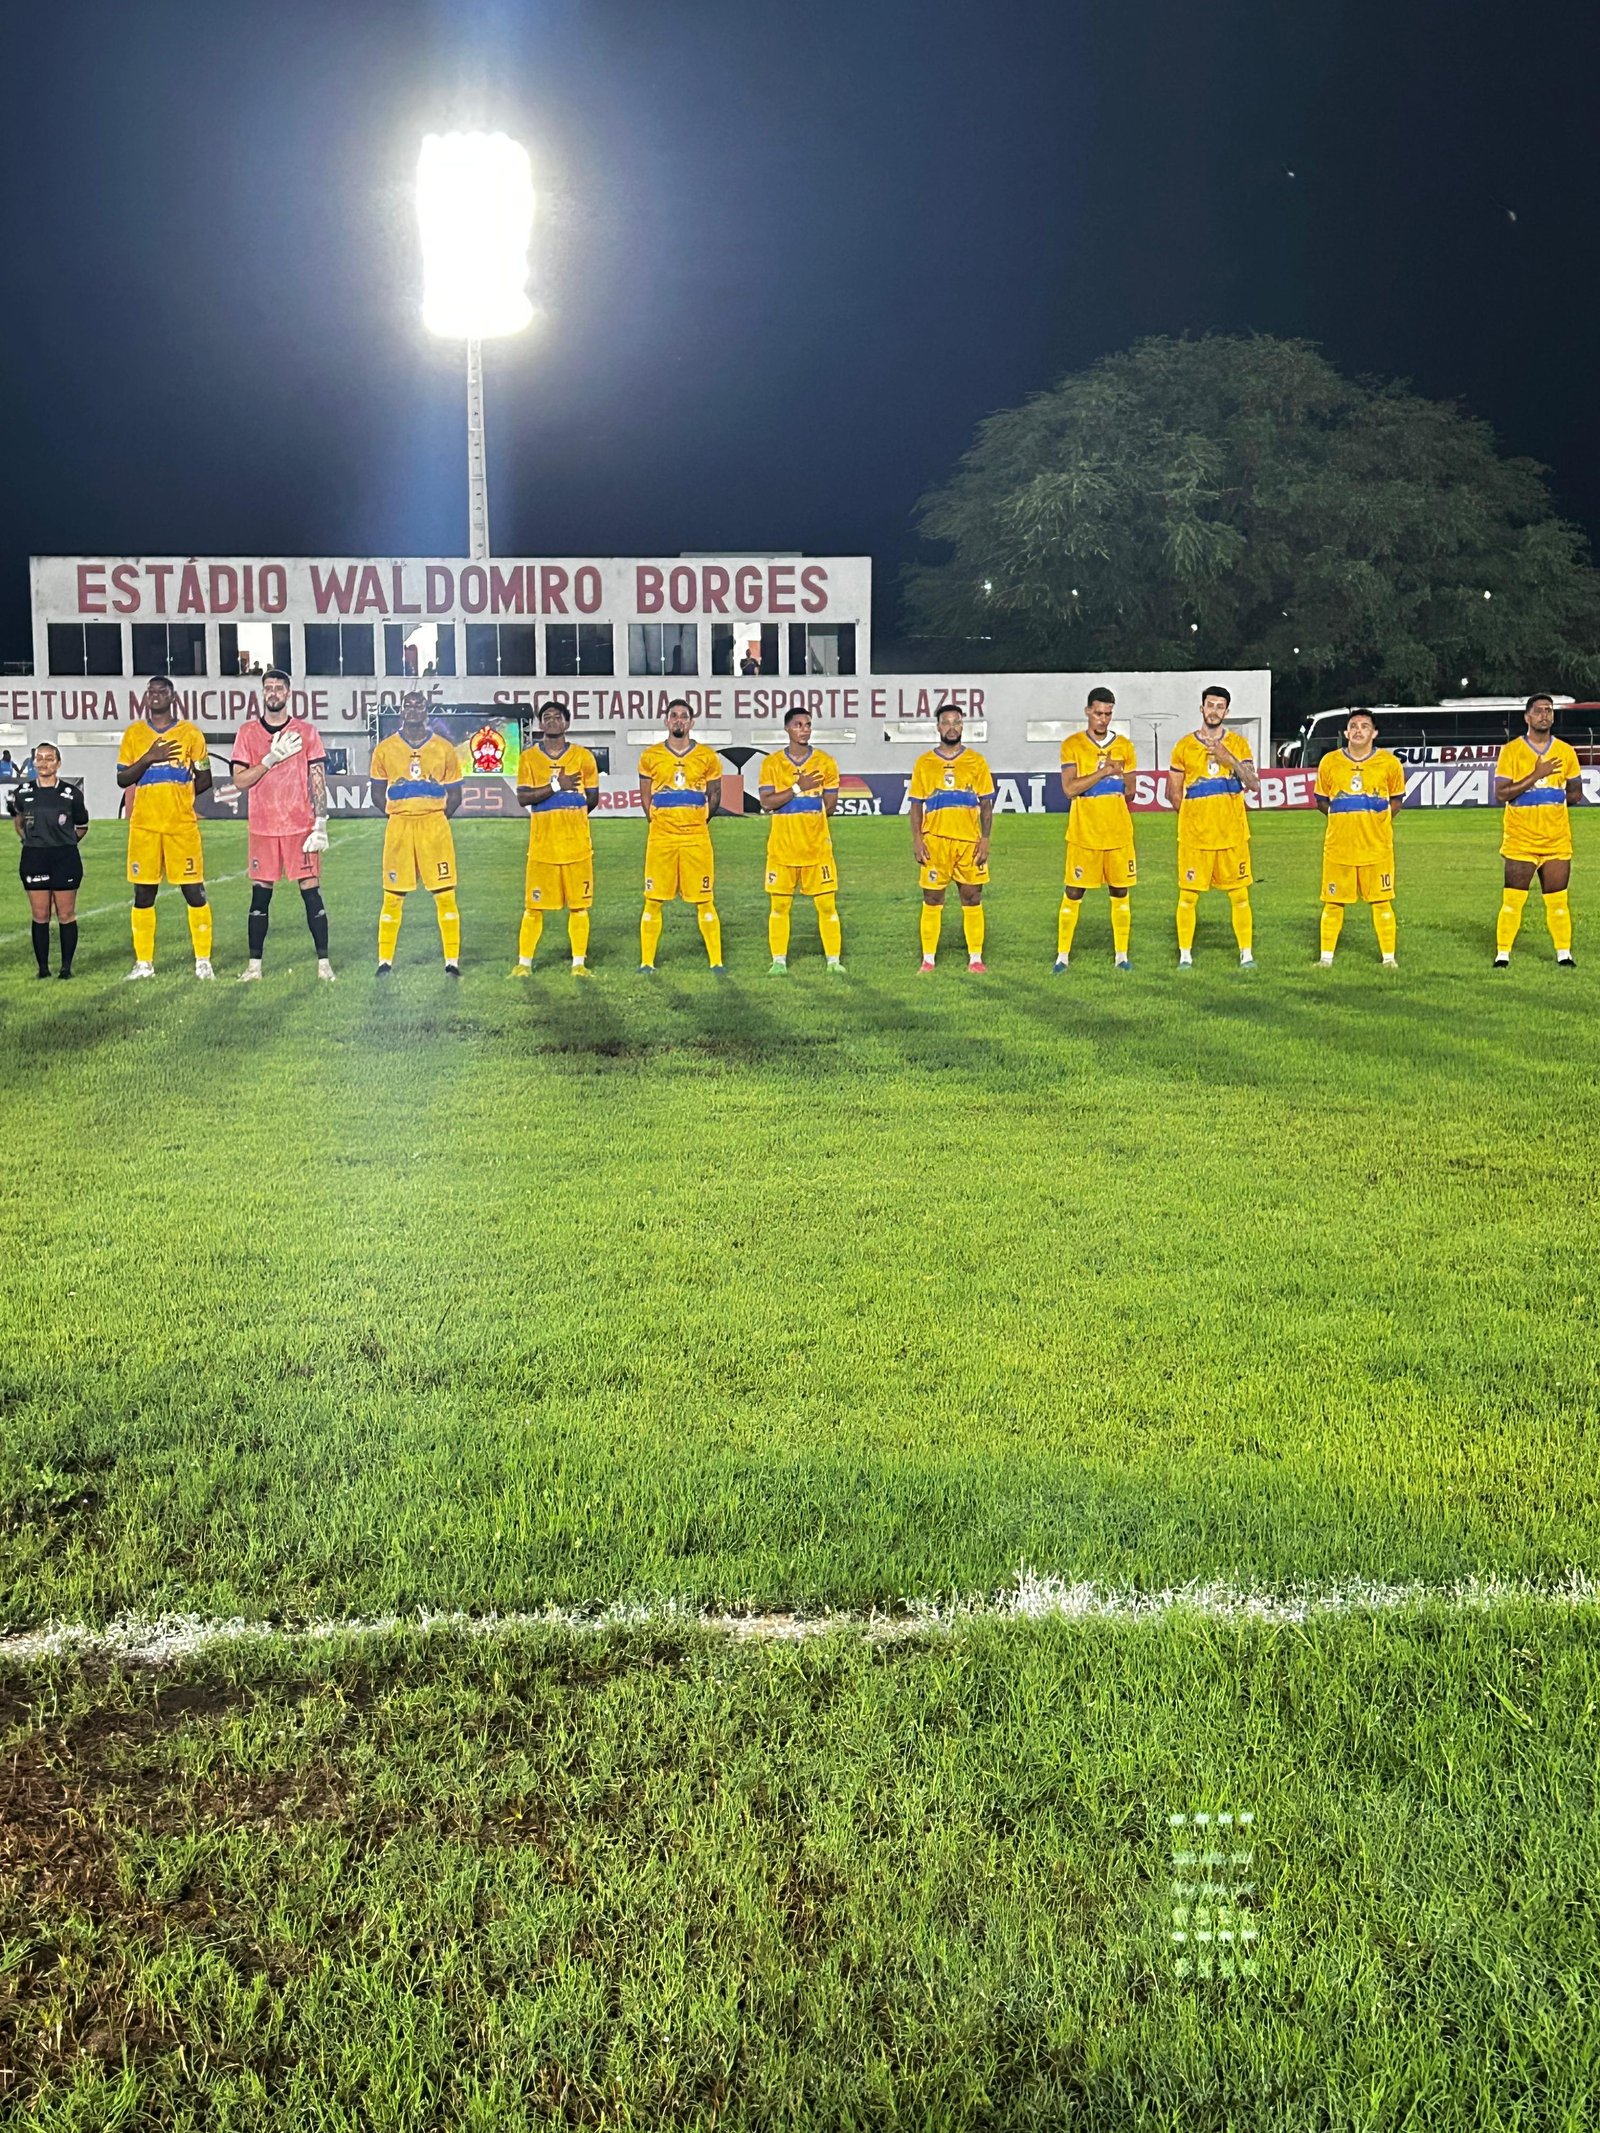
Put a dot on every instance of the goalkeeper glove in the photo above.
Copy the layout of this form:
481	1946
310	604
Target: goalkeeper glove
289	742
318	840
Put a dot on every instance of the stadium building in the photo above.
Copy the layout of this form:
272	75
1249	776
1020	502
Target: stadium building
744	637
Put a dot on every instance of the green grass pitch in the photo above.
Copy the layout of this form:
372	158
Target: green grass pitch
801	1295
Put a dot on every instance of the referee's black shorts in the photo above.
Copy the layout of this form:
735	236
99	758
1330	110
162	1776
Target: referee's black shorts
51	866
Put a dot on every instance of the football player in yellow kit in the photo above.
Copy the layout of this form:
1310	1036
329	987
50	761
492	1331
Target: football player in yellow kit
1207	780
680	783
1097	771
164	762
559	784
416	782
1359	789
799	790
1538	781
952	809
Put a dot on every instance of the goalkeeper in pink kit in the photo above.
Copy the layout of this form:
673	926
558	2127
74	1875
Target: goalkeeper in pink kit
278	761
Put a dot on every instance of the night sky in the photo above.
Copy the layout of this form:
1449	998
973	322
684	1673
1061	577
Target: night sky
786	256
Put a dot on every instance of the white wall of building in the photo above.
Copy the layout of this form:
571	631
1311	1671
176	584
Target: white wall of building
874	723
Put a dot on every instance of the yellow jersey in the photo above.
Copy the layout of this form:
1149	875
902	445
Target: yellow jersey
163	799
419	779
798	834
678	785
1099	816
1360	826
1539	816
558	827
1212	814
950	787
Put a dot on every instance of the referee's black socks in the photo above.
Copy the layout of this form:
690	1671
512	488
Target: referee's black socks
41	946
69	945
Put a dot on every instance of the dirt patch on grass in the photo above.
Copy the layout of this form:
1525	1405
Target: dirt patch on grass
71	1795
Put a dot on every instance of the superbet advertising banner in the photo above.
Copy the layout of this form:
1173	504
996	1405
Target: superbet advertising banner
489	756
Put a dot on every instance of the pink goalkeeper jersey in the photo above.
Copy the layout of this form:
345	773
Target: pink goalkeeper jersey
280	805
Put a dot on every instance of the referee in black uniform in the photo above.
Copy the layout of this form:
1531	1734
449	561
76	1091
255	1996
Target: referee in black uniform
52	822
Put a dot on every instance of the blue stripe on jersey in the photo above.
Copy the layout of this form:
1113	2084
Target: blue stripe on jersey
936	800
1359	803
416	789
1106	786
1540	798
558	799
168	774
803	803
1205	788
677	796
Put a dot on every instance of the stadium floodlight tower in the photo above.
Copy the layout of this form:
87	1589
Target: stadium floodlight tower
475	209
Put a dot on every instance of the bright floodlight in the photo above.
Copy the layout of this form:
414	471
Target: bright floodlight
475	206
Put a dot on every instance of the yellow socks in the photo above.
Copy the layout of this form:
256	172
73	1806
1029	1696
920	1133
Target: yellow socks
1188	910
200	930
1384	927
778	926
829	927
1244	931
972	928
928	926
389	924
1510	919
528	933
1067	924
649	934
448	913
578	937
1558	917
710	932
144	934
1332	926
1121	924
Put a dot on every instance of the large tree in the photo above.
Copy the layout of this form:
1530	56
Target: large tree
1235	502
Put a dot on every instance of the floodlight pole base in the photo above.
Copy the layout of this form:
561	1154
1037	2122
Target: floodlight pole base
477	459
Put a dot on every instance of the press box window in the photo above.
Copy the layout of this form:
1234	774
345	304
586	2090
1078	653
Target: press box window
85	647
428	648
502	648
339	648
663	648
578	648
252	647
744	648
822	647
169	648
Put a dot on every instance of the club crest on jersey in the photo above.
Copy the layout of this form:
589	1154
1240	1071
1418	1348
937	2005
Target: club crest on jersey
679	779
1355	781
416	766
950	781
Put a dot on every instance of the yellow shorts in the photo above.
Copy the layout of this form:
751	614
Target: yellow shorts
1352	884
175	852
1221	867
951	859
820	878
1522	839
559	884
418	850
679	866
1090	867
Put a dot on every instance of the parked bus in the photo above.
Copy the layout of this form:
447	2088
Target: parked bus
1463	728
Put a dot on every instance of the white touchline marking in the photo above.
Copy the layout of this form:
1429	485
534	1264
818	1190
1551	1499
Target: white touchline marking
214	881
164	1639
